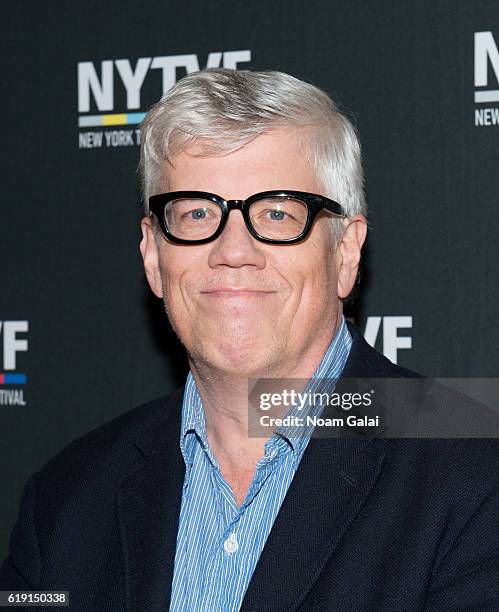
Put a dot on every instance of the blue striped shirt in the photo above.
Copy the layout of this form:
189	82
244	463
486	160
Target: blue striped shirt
219	543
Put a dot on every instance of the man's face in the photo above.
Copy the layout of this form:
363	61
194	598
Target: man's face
239	305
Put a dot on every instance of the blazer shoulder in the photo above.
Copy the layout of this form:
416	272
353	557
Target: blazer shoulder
108	446
463	468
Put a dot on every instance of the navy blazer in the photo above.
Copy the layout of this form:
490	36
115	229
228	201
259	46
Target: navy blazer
367	524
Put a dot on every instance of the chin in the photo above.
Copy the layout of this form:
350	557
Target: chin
250	358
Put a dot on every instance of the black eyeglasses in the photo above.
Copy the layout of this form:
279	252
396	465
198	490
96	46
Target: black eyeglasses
275	217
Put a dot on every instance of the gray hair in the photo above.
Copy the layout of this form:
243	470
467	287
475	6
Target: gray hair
223	109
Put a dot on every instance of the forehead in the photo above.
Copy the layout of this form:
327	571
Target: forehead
275	160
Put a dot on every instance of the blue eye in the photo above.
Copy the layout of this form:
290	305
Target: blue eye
277	215
199	213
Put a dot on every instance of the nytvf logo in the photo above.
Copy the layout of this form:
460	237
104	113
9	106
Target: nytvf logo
486	79
98	84
13	340
392	341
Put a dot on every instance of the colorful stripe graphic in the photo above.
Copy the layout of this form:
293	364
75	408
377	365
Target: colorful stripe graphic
107	120
13	379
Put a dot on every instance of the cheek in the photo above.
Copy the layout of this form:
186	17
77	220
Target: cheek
319	284
316	258
311	277
173	271
182	272
320	289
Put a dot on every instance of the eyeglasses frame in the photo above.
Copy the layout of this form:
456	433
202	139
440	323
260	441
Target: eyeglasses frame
315	204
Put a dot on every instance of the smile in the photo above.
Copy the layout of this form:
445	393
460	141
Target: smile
235	293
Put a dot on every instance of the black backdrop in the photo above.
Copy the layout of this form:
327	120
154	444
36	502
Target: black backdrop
77	319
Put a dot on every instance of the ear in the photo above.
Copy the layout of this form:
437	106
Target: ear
348	252
150	254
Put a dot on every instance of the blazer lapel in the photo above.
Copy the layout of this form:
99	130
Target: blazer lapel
149	499
333	481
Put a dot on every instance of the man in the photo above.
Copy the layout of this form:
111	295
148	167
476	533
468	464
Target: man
252	238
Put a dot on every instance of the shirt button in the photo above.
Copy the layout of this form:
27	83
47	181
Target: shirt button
231	544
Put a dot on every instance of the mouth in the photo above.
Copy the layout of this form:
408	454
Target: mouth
233	292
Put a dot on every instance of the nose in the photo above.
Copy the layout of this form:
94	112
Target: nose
236	247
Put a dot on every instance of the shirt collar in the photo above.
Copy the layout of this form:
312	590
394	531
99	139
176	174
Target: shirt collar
193	418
